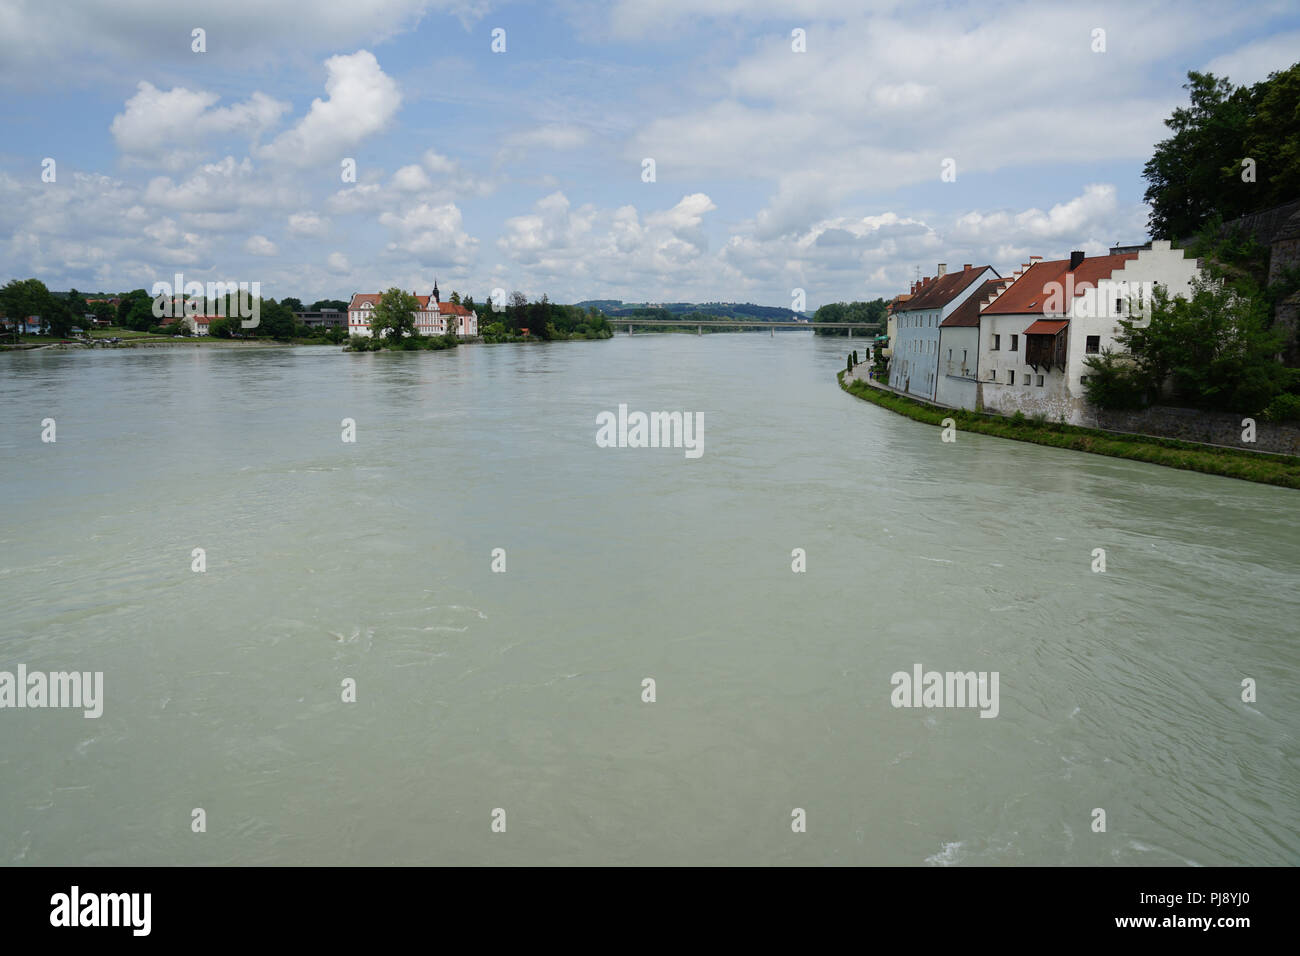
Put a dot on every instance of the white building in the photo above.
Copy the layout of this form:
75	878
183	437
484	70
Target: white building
1037	332
914	366
432	317
959	348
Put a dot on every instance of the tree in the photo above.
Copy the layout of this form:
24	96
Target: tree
274	321
223	328
76	303
140	316
455	297
21	298
104	312
1213	350
1188	176
127	303
1198	171
294	305
394	315
1273	138
321	305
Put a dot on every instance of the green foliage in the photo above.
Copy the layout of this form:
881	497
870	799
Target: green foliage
1018	419
294	305
1212	351
274	321
321	305
394	316
863	313
224	328
1284	408
21	298
1114	381
1197	171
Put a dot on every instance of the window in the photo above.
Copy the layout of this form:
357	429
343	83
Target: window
950	355
997	342
963	358
1040	381
1119	306
1083	380
1015	343
1093	344
1011	376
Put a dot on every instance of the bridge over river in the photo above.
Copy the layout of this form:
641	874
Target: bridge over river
619	322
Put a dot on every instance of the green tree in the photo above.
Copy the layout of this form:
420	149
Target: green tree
21	298
321	305
293	305
274	321
394	316
1190	175
76	303
1273	138
126	304
1213	350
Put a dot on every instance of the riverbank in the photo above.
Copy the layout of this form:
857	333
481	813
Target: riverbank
191	342
1283	470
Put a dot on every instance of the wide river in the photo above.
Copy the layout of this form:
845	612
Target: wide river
521	691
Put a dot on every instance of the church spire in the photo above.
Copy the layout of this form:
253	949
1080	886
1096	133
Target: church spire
436	298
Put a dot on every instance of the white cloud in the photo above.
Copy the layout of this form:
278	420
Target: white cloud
260	246
411	179
362	100
430	233
1255	61
338	263
552	136
83	35
308	224
155	119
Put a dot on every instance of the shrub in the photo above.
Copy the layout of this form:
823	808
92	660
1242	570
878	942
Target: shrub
1114	382
1018	418
1284	408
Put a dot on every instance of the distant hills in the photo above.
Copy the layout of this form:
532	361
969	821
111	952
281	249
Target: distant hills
617	308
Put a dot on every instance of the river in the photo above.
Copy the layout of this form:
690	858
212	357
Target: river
522	691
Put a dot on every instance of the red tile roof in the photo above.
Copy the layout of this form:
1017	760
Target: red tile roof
939	292
1031	291
445	308
1046	327
967	315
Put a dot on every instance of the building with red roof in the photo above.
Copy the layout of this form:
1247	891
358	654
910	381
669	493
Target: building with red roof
432	317
1037	330
914	367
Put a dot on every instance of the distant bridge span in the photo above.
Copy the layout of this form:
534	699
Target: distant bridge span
620	322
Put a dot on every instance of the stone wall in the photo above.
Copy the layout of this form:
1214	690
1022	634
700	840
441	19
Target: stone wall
1215	428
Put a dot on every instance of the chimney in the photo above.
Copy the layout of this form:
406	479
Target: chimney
1076	259
943	270
966	267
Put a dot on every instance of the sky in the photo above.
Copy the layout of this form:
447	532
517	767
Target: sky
831	147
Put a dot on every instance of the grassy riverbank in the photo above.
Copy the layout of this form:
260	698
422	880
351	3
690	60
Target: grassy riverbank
1267	469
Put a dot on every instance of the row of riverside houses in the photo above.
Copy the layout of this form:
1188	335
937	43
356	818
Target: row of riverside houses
977	340
434	316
